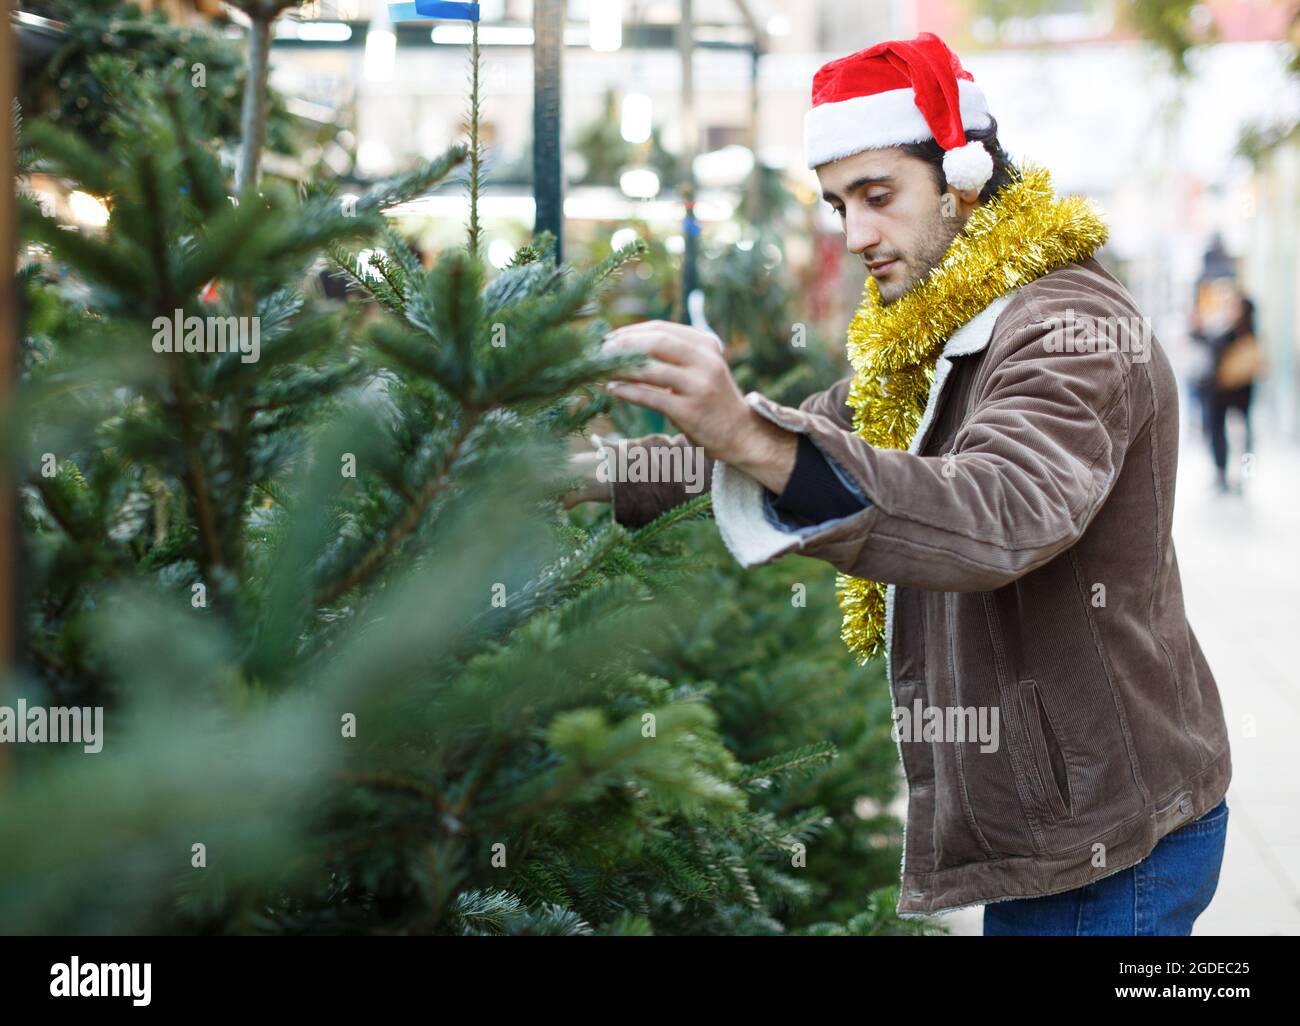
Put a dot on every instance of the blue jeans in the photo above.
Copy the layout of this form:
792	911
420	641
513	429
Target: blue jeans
1160	896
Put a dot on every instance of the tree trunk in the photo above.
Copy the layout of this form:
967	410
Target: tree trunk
253	117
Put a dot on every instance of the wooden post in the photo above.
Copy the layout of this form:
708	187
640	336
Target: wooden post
8	348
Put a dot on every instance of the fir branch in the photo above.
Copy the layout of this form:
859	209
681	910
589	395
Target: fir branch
69	155
406	263
195	478
63	516
24	157
231	233
561	575
393	782
376	556
378	290
410	184
152	206
739	874
382	279
799	760
488	910
693	509
94	259
393	273
201	168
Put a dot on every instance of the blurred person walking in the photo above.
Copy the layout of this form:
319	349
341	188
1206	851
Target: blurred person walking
1237	362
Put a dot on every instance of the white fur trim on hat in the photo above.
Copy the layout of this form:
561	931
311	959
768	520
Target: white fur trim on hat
968	167
891	118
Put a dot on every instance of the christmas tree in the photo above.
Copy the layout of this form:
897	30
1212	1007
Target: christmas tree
104	41
764	644
359	672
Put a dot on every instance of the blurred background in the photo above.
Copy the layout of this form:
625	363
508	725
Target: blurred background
1179	118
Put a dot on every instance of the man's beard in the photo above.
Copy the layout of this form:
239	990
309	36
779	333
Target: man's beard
930	248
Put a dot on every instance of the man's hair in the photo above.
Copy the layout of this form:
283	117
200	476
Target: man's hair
1004	171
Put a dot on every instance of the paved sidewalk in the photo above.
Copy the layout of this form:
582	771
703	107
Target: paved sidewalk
1239	557
1240	561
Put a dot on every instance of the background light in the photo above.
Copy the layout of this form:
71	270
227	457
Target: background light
381	55
324	32
88	210
500	253
623	237
374	158
364	266
729	166
488	35
778	25
638	117
639	183
607	25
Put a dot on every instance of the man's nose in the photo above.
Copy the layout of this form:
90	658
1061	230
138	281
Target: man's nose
861	233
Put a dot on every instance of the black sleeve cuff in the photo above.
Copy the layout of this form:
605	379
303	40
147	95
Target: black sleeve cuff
815	493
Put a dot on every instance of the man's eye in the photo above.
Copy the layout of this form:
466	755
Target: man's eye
838	210
880	199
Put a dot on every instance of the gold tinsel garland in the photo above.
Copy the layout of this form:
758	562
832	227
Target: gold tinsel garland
1018	236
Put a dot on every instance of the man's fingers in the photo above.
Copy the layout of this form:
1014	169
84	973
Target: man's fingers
665	375
659	327
656	344
707	341
651	398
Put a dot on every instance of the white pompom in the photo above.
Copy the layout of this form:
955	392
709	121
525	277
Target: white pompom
968	167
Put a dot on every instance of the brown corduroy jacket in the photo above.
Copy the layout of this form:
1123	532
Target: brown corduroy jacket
1033	588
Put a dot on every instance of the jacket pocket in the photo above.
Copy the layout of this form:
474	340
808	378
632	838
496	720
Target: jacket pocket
1049	766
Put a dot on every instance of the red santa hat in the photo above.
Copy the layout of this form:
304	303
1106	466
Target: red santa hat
901	91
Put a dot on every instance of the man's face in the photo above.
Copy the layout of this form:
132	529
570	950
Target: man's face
893	214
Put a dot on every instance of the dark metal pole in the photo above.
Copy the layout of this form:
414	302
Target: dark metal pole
690	143
751	133
548	156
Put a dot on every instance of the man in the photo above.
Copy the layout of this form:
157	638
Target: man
995	483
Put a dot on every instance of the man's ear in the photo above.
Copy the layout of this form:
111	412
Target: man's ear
959	202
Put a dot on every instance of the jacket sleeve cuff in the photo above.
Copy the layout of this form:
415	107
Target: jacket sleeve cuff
815	492
753	529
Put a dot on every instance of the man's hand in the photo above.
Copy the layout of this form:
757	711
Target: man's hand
585	465
689	382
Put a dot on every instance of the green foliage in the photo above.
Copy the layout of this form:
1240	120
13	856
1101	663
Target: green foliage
23	156
107	43
359	672
606	154
1259	140
1168	24
215	425
651	293
764	646
877	919
330	595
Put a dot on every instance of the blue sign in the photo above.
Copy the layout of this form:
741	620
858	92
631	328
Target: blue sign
424	10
